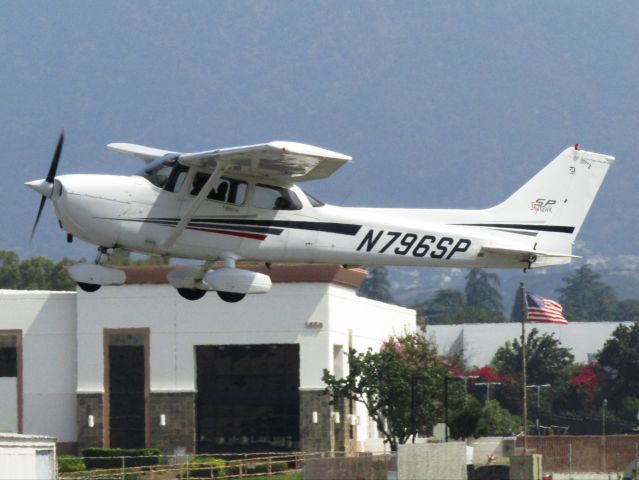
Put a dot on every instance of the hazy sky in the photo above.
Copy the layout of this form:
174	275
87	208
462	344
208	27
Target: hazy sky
442	104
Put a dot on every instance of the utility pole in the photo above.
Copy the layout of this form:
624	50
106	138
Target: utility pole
524	317
465	379
538	387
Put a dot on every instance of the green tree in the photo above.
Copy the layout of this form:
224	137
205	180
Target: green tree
382	381
627	311
376	286
441	309
619	358
586	298
463	421
546	360
37	273
495	419
482	290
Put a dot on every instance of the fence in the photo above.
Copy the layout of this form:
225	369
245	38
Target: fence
192	467
588	453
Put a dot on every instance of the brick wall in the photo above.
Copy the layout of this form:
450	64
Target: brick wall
584	453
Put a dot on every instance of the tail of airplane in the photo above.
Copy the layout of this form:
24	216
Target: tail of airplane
555	202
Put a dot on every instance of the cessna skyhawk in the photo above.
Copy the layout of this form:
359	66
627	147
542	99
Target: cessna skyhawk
244	203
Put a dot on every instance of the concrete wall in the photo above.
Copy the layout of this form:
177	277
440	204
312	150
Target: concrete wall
432	461
27	457
48	322
9	404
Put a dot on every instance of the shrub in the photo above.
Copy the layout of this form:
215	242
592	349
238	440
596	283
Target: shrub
110	457
70	463
206	467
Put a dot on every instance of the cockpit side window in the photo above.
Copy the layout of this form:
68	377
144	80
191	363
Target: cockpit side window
275	198
177	178
227	190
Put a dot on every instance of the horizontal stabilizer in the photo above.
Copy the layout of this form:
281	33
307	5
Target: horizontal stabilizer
524	253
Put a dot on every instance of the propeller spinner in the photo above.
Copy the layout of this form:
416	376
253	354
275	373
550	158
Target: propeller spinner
45	186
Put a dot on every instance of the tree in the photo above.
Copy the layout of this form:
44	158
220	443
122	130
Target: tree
376	286
619	358
482	290
546	359
37	273
583	392
627	311
586	298
382	382
495	419
463	421
441	309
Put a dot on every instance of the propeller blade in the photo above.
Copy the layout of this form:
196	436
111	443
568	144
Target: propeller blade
56	158
53	168
35	224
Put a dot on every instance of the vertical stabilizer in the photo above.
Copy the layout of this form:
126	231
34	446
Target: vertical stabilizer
555	202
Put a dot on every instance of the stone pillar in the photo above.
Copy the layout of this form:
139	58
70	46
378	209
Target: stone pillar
179	411
325	435
90	404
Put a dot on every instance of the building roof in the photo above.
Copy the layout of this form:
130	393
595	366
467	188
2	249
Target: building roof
282	273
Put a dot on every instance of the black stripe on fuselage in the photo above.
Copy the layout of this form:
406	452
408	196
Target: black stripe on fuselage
521	226
261	226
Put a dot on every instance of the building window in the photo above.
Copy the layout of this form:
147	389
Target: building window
10	381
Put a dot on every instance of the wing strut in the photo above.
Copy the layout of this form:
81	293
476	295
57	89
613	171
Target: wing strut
206	189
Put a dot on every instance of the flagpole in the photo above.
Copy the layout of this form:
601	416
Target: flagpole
524	317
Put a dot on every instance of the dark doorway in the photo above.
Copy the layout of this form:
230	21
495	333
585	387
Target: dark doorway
248	398
127	390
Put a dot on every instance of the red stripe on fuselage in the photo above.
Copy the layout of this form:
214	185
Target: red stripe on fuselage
253	236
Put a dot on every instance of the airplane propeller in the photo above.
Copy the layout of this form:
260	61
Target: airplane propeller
45	187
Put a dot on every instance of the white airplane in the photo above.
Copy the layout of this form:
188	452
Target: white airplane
244	203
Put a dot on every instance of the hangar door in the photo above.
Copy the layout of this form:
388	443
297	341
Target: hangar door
248	398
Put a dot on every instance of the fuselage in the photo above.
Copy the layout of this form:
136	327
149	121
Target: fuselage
133	213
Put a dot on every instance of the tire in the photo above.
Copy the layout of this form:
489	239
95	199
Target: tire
89	287
191	293
231	297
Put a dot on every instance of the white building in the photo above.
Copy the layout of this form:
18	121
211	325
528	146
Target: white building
138	365
480	341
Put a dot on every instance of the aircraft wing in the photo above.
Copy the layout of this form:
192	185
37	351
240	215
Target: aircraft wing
148	154
275	160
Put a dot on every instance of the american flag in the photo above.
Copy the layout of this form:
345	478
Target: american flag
542	309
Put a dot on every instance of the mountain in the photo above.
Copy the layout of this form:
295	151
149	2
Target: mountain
441	104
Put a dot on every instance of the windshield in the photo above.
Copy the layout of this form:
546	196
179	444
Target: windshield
159	170
314	201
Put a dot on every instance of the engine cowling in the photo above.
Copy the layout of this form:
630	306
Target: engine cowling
237	280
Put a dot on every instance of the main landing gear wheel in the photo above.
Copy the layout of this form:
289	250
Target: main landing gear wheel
231	297
89	287
191	293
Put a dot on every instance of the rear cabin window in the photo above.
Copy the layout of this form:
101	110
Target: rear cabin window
275	198
226	190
